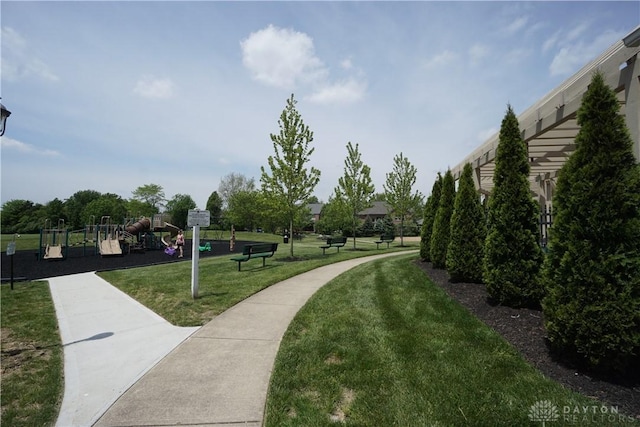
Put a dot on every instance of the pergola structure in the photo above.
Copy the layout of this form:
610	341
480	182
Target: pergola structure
549	127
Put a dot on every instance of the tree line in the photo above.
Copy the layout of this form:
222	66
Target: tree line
586	281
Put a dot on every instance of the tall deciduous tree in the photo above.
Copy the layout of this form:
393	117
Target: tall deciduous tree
152	194
512	255
107	204
442	223
468	232
592	270
76	204
214	206
290	181
233	183
243	211
398	191
178	208
355	186
430	209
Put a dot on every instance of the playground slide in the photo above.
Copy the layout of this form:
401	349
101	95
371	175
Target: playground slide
53	252
110	247
173	232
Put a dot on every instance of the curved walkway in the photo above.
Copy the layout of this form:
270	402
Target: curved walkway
126	366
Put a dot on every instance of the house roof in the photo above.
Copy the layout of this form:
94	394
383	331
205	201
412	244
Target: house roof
315	208
377	208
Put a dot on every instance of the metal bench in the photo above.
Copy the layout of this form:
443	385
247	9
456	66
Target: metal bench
334	242
384	239
259	250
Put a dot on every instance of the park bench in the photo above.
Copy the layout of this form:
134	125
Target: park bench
259	250
205	247
384	239
334	242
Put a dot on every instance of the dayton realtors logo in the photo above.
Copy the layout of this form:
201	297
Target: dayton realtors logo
545	411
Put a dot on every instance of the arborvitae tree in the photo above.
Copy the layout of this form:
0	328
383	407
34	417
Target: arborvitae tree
592	270
512	257
468	232
429	217
441	224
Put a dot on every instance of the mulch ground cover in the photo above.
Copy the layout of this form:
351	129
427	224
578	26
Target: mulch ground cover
524	329
84	259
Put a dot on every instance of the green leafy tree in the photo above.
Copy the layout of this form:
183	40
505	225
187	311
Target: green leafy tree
592	270
107	204
22	216
75	206
334	217
440	234
290	181
468	232
512	255
233	183
139	208
355	186
178	208
398	191
55	210
243	210
430	209
214	206
152	194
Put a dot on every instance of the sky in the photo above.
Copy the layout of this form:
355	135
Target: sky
111	96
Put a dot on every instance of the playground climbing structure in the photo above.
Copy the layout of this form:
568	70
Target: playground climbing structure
53	241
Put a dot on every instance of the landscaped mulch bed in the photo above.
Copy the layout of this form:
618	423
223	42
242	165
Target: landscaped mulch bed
524	329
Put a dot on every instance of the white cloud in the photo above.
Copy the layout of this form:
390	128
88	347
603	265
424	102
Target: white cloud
342	93
152	87
477	52
516	25
442	59
12	144
346	64
281	57
18	62
571	57
551	42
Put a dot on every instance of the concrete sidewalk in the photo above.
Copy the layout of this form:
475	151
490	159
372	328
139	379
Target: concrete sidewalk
110	340
218	376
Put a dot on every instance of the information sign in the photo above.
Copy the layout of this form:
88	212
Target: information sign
196	217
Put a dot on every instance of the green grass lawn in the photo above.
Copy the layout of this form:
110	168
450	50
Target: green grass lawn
31	358
381	345
166	289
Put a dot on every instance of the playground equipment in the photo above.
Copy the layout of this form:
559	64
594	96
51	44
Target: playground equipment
53	241
109	237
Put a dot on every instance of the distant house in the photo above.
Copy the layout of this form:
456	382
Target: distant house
378	210
316	209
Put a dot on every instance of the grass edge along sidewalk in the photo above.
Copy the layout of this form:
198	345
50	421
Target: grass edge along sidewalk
383	345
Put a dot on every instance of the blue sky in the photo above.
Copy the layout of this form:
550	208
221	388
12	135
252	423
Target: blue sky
109	96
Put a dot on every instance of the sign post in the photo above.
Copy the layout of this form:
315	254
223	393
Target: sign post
195	219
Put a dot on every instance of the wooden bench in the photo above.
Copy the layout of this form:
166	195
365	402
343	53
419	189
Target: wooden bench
384	239
259	250
334	242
